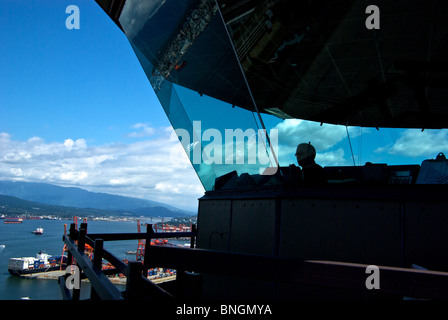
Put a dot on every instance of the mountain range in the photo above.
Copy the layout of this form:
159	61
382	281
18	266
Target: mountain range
77	198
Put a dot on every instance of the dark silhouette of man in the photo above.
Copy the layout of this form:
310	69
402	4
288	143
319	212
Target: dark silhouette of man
312	173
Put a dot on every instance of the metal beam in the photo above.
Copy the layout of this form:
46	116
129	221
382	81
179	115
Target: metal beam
137	236
104	288
117	263
107	291
140	288
64	290
397	281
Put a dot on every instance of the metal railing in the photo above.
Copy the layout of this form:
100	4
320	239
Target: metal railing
191	263
137	285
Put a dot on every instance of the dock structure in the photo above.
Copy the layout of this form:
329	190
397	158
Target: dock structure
44	275
55	275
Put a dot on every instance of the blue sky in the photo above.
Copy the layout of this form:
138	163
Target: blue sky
71	81
77	110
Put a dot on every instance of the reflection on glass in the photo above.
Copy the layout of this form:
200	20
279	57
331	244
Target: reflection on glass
213	68
186	53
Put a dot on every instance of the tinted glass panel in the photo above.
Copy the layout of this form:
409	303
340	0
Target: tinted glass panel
186	53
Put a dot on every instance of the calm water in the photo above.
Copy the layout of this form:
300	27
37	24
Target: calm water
21	242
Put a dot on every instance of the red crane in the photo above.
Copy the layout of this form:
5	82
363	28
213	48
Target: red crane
140	246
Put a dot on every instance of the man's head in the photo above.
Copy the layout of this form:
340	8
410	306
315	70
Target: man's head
305	154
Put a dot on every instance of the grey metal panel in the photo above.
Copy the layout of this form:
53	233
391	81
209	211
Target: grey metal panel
393	230
253	226
214	220
238	226
350	231
426	235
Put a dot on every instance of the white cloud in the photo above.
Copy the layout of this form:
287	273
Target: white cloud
136	13
292	132
143	130
4	135
68	143
415	143
74	176
332	158
142	169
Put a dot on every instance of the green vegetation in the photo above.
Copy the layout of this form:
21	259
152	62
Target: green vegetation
12	206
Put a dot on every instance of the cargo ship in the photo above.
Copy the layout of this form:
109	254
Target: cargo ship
43	262
13	220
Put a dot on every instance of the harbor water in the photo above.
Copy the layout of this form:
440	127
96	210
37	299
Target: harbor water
19	241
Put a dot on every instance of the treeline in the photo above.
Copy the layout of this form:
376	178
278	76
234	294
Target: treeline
12	206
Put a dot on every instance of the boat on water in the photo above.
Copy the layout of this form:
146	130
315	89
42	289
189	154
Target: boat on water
38	231
43	262
13	220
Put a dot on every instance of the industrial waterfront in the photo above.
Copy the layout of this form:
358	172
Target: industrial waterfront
19	241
